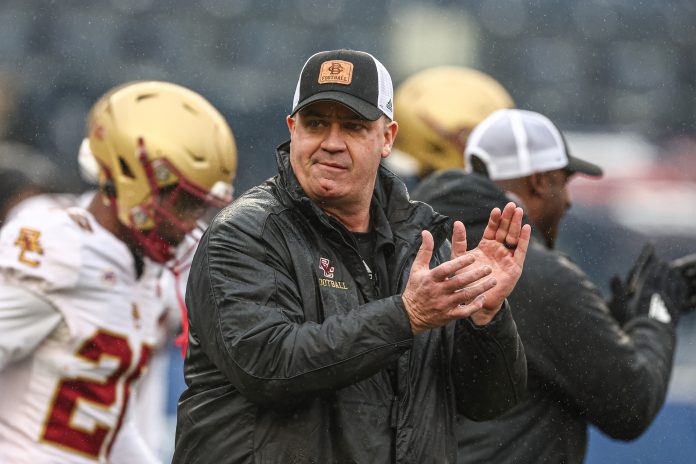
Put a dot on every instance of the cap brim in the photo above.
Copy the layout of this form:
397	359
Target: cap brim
583	167
361	107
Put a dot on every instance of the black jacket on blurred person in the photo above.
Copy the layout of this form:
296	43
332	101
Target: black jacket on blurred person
584	368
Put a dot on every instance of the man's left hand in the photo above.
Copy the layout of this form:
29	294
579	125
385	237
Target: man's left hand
503	248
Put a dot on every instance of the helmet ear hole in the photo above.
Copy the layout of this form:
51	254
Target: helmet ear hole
437	149
125	169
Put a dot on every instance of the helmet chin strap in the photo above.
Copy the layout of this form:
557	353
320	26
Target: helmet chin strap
181	339
177	260
153	245
178	267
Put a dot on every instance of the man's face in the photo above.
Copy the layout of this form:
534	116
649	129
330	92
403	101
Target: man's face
335	153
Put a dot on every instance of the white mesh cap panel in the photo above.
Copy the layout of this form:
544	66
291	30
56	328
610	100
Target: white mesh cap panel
296	97
545	142
385	100
516	143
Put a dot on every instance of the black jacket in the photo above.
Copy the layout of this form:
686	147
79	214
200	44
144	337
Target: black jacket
289	346
583	368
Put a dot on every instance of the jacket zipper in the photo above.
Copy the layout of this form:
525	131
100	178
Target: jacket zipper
394	412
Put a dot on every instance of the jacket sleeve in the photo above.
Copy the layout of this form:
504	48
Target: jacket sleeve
489	367
615	377
246	307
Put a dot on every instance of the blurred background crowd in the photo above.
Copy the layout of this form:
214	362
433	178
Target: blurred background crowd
615	75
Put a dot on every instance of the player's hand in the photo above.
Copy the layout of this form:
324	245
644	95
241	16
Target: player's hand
686	266
655	288
503	248
453	290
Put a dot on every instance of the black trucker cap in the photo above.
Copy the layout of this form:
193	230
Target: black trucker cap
353	78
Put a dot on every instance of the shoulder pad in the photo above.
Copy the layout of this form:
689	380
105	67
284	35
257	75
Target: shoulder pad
43	248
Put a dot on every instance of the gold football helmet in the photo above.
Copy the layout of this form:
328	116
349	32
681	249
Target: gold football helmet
437	109
160	148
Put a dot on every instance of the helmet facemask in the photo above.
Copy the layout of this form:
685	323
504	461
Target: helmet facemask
180	206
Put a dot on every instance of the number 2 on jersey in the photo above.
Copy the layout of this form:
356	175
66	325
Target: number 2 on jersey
73	393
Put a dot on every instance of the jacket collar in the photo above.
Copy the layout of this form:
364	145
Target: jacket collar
464	195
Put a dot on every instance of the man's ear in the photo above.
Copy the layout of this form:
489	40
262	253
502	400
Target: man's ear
291	124
537	184
390	130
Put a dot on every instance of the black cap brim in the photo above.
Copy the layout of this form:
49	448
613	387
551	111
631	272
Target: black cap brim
361	107
583	167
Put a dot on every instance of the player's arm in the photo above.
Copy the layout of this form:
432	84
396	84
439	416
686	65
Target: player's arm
616	377
26	320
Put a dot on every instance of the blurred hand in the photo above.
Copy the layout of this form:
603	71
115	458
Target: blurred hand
653	288
618	304
686	266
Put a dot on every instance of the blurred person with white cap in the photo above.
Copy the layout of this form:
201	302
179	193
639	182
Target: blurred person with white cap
331	319
590	362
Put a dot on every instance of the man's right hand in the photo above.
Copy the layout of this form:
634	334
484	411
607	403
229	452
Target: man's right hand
453	290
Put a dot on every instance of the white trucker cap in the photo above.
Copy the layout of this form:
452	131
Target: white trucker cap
514	143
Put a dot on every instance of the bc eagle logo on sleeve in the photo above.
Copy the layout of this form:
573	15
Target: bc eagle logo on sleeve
28	242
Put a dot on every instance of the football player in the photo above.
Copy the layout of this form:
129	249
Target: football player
437	108
79	303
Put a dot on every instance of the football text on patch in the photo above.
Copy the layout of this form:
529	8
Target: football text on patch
333	284
336	72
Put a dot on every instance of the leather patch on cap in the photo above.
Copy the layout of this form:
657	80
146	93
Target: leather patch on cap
336	72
